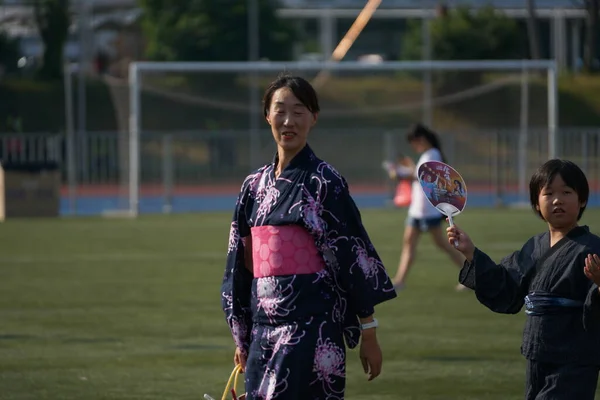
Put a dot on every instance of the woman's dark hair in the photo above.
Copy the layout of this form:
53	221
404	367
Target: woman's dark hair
417	131
569	172
299	86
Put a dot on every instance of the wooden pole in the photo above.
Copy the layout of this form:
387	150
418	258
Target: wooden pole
2	186
348	40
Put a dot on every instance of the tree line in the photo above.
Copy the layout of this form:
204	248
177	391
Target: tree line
217	30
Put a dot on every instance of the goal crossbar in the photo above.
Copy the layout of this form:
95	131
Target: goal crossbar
137	68
241	66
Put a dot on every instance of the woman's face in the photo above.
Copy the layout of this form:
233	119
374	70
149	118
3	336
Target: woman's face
290	120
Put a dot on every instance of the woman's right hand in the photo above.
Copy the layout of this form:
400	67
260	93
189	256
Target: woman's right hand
461	241
240	358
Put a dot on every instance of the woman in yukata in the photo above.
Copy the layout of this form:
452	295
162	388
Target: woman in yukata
302	276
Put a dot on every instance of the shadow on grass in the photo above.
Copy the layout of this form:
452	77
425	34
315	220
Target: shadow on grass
16	336
453	359
90	340
198	346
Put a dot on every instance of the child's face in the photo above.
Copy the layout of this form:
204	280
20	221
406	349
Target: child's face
559	204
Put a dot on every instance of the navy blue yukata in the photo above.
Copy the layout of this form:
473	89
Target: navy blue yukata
300	271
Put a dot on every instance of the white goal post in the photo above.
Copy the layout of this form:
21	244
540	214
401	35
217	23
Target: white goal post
137	69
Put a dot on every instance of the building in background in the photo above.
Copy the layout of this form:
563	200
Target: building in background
561	23
112	25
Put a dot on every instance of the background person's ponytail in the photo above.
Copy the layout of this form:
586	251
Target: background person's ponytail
418	130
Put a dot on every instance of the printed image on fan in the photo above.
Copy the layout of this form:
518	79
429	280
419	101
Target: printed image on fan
442	184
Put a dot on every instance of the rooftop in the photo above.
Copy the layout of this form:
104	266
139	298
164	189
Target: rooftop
412	4
512	4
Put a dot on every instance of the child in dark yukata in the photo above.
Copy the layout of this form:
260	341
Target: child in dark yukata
556	277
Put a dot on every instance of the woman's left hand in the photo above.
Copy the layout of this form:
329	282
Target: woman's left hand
239	358
370	354
592	268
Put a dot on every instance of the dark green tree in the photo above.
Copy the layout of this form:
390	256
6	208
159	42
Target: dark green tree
533	31
467	34
52	19
212	30
9	54
464	33
590	53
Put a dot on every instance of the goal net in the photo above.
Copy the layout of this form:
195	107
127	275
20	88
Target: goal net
197	129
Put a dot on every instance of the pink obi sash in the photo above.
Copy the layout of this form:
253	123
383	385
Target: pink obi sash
284	250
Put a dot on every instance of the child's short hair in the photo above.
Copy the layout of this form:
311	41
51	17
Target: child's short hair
569	172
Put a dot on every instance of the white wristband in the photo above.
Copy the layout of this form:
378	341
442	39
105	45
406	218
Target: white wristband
372	324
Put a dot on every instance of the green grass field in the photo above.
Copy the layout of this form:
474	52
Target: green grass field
96	309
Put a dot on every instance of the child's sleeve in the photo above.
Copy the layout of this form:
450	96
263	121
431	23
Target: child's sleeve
404	172
591	307
500	287
591	310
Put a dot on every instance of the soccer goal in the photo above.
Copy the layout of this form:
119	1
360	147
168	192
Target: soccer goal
197	128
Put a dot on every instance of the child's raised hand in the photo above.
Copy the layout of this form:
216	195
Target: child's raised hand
407	162
461	241
592	268
390	168
387	165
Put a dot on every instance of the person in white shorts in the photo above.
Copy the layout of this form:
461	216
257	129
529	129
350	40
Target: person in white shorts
422	216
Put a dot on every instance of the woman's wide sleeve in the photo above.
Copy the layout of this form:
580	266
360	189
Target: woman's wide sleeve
359	271
237	280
